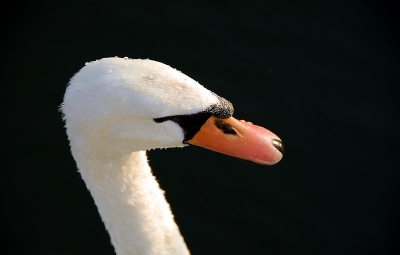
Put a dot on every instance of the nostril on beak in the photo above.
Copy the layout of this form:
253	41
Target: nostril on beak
278	145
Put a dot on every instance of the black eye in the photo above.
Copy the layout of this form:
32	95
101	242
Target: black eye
226	128
190	124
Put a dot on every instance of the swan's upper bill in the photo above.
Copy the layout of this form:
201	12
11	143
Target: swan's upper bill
116	106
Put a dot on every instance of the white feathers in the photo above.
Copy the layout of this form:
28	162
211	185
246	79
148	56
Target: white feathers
144	87
110	105
109	108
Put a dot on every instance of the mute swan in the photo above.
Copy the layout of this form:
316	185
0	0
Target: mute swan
117	108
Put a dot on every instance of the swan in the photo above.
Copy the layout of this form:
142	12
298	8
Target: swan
117	108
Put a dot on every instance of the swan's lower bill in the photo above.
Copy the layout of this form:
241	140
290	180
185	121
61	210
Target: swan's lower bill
239	139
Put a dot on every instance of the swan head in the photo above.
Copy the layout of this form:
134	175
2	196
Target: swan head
115	106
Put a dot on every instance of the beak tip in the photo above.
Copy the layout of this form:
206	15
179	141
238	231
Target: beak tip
278	145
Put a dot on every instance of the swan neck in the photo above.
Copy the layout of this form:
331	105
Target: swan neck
131	204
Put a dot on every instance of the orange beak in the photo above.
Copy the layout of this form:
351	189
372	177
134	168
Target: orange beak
239	139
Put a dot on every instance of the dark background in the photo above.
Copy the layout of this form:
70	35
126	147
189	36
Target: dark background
323	75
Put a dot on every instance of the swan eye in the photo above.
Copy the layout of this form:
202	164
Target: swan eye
190	124
226	128
160	120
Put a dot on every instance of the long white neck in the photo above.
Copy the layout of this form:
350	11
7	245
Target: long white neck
131	204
